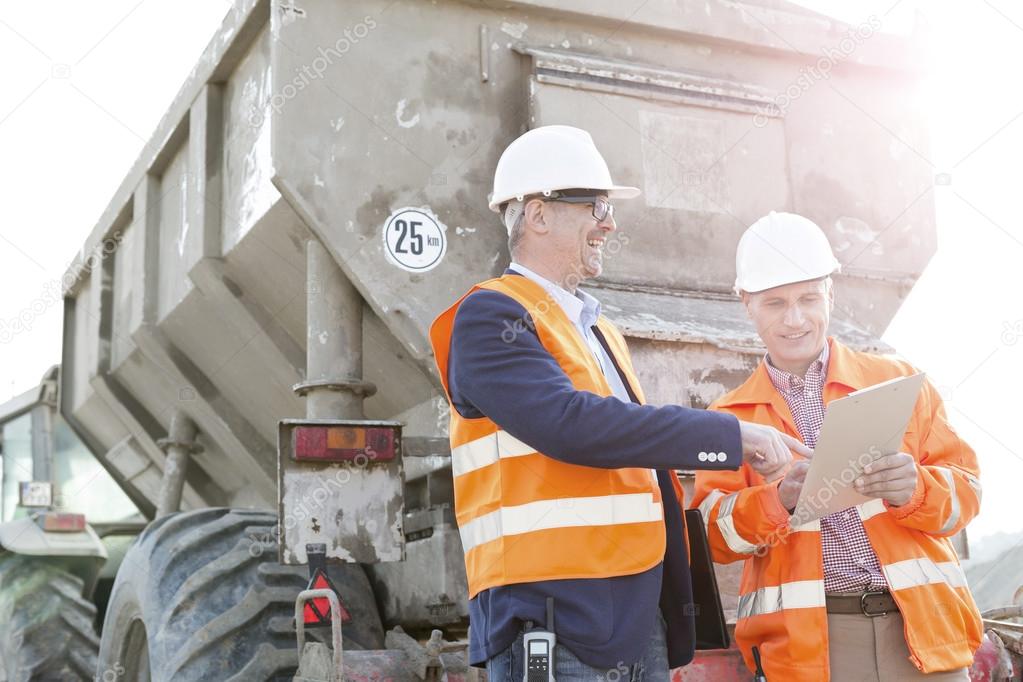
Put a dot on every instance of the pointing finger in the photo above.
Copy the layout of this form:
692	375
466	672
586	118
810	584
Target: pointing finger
795	445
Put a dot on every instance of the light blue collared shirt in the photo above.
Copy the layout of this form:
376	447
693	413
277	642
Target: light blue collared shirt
583	310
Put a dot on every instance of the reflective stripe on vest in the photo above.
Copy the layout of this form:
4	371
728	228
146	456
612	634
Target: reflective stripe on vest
708	505
485	451
565	512
974	483
810	593
728	531
726	524
903	575
801	594
953	514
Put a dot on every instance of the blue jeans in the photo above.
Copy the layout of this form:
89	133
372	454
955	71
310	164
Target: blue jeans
508	666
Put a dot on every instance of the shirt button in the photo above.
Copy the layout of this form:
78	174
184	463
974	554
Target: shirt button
722	457
702	457
712	456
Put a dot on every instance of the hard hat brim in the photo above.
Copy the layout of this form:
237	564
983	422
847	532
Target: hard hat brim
756	286
761	287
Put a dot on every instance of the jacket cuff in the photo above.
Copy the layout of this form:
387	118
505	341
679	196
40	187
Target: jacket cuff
774	510
915	501
720	443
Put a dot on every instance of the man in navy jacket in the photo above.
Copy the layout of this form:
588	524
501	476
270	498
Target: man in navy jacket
554	189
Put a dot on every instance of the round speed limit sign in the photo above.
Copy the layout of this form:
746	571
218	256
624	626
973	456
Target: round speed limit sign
414	239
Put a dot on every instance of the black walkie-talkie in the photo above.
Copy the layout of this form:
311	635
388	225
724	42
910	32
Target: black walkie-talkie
539	650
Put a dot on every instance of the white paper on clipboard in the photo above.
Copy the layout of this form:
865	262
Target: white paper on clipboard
857	429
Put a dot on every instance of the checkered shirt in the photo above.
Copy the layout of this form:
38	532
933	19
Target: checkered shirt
850	564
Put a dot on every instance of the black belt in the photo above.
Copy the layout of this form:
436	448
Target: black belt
870	604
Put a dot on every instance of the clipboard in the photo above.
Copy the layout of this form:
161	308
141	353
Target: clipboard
711	628
857	429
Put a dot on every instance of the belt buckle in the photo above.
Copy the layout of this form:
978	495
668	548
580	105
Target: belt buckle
863	604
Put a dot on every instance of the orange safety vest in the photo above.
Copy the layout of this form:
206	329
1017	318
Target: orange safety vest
781	603
525	517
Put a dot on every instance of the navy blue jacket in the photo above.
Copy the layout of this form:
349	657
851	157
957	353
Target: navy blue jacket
517	384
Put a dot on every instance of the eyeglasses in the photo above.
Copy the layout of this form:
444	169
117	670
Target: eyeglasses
602	208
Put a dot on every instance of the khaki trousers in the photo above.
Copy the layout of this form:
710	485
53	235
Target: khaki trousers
863	649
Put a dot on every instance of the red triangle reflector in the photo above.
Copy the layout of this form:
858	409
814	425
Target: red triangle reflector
317	611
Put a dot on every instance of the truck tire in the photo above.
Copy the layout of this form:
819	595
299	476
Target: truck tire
200	596
46	626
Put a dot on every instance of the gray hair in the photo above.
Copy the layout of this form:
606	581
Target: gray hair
514	216
518	232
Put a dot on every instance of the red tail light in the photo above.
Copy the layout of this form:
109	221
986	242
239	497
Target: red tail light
359	444
61	522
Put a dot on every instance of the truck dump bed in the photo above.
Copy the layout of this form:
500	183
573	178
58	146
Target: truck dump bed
322	120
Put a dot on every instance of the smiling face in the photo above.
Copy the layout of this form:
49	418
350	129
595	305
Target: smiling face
568	241
589	237
792	321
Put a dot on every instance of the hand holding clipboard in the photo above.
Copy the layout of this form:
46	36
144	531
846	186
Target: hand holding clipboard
858	430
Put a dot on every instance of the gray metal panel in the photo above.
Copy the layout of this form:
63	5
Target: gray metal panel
754	26
84	342
85	428
128	288
180	241
423	134
704	176
267	267
429	588
219	420
246	165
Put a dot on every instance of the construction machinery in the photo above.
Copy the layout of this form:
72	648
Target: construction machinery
56	572
245	342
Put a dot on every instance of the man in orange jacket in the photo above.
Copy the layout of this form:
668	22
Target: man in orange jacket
871	593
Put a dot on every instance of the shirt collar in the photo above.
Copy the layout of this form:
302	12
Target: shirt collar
845	368
581	308
786	382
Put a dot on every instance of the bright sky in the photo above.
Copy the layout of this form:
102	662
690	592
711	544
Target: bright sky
82	94
85	85
963	321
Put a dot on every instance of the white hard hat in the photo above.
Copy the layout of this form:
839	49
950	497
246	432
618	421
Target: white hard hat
552	158
782	248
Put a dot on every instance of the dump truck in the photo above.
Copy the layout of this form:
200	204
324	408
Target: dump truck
245	346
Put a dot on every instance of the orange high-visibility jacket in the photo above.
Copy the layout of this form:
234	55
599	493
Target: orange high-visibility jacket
781	603
526	517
